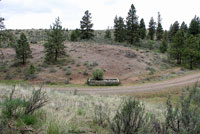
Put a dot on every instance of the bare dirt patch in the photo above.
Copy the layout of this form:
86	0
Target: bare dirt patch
127	64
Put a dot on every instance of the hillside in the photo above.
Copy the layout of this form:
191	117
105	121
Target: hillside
130	65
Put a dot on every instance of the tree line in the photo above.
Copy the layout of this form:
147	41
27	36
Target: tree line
181	42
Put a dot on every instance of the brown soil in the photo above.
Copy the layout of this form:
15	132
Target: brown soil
120	62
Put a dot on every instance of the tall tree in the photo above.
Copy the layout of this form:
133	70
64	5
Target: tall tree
159	29
194	27
142	29
152	27
191	52
132	26
2	26
54	47
23	51
173	29
184	27
86	26
177	46
119	29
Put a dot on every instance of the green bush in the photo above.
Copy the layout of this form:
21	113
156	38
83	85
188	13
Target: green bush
68	72
184	117
21	111
130	118
75	35
31	69
98	74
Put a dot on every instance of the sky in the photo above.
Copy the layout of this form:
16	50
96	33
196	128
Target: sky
28	14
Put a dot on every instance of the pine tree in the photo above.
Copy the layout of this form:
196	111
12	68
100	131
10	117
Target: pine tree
107	34
159	30
142	29
119	29
23	51
2	26
86	26
54	47
184	27
173	29
152	26
194	27
132	26
177	46
191	52
163	46
75	35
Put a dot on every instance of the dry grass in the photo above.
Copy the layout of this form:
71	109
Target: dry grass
75	112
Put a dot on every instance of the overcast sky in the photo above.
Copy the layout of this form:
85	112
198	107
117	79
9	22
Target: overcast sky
27	14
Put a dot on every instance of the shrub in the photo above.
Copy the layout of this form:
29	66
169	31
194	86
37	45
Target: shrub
100	115
98	74
75	35
185	116
20	111
31	69
130	118
68	72
52	70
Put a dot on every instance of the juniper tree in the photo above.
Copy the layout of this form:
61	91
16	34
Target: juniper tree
132	26
54	47
23	51
152	27
159	29
142	29
119	29
86	26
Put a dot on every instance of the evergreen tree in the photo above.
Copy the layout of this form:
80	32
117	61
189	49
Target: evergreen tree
2	26
177	46
152	26
165	36
142	29
86	26
54	47
159	30
163	46
23	51
75	35
132	26
173	29
191	52
107	34
184	27
119	29
194	27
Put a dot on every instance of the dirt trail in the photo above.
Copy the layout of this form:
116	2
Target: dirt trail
176	82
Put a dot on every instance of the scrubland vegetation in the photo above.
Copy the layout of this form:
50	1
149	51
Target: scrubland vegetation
130	51
25	109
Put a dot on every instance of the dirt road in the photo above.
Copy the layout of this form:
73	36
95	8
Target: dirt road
149	87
